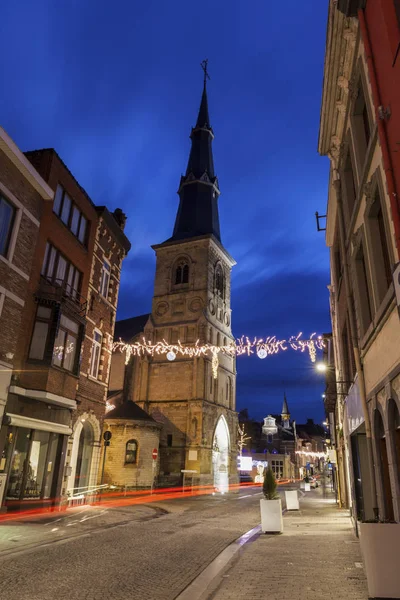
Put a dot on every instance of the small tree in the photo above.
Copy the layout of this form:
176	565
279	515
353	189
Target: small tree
269	485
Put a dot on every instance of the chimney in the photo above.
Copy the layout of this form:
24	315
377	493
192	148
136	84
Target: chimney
310	421
120	217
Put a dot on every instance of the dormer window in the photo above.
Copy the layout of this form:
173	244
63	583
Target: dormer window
219	282
182	273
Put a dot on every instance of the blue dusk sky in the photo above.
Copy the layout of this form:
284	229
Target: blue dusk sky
115	88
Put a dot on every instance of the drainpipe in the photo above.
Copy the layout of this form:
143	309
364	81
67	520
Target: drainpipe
354	340
382	135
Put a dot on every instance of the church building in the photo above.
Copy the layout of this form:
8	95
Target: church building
191	302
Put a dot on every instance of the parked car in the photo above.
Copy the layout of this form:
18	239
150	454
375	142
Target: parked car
245	478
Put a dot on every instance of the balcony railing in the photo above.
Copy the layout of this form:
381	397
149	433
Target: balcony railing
60	292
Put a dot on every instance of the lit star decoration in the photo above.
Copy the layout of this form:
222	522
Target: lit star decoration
244	345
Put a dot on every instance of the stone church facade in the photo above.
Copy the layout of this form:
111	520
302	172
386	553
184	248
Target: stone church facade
191	302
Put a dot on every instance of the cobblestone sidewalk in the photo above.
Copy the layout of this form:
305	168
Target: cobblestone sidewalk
318	557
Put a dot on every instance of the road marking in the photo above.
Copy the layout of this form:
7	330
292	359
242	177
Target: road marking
247	496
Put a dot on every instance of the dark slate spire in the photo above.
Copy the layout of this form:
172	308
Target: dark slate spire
198	189
285	408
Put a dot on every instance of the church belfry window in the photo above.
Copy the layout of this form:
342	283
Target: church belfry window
182	273
219	282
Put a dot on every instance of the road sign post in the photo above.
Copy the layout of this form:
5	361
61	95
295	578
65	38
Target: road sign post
154	456
107	437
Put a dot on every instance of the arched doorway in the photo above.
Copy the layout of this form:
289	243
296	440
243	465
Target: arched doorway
383	466
84	457
394	423
220	456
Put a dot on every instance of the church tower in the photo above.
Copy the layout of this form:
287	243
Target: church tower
285	414
192	302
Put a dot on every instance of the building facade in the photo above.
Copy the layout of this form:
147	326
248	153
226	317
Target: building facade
359	133
23	194
62	360
191	302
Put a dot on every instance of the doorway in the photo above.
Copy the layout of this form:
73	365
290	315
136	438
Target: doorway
220	456
84	457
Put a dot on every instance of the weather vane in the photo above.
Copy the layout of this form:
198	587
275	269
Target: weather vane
204	65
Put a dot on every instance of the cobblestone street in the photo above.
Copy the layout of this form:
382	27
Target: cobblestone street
155	552
141	559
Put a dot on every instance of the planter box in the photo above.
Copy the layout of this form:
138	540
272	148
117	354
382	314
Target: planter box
271	516
307	487
380	547
292	500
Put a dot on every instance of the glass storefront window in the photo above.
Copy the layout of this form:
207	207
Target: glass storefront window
18	463
51	465
33	463
37	464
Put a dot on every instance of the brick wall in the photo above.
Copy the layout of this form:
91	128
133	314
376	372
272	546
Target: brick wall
116	472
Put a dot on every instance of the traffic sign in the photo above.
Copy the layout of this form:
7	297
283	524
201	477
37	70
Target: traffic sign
107	436
154	454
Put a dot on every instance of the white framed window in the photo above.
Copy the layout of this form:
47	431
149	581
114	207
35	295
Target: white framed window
7	218
96	352
105	278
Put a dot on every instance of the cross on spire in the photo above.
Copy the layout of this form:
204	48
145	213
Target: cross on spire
204	66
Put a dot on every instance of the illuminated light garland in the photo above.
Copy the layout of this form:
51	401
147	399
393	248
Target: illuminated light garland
312	454
263	348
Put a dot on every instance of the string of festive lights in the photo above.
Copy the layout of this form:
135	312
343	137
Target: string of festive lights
244	345
311	454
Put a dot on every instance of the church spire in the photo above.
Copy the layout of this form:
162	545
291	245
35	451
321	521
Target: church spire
198	190
285	414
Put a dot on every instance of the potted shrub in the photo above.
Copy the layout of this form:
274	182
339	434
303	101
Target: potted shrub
307	486
380	547
270	505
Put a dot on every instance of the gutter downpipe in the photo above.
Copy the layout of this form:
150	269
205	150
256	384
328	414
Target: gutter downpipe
354	340
382	135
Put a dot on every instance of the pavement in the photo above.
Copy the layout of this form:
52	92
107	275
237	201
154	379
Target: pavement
317	556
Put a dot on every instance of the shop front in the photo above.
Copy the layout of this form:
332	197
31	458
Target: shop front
32	456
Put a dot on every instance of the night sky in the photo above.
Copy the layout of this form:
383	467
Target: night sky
115	88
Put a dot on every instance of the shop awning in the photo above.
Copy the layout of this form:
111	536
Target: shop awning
28	423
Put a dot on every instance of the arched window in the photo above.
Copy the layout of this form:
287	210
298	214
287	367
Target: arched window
131	452
219	281
182	273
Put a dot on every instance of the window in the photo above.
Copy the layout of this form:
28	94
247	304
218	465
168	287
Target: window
365	304
105	279
40	333
66	344
182	273
96	352
349	185
60	271
169	440
7	215
361	126
338	264
70	214
382	264
131	452
219	282
269	438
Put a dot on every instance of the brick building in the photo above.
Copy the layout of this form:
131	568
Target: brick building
62	355
135	434
23	194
